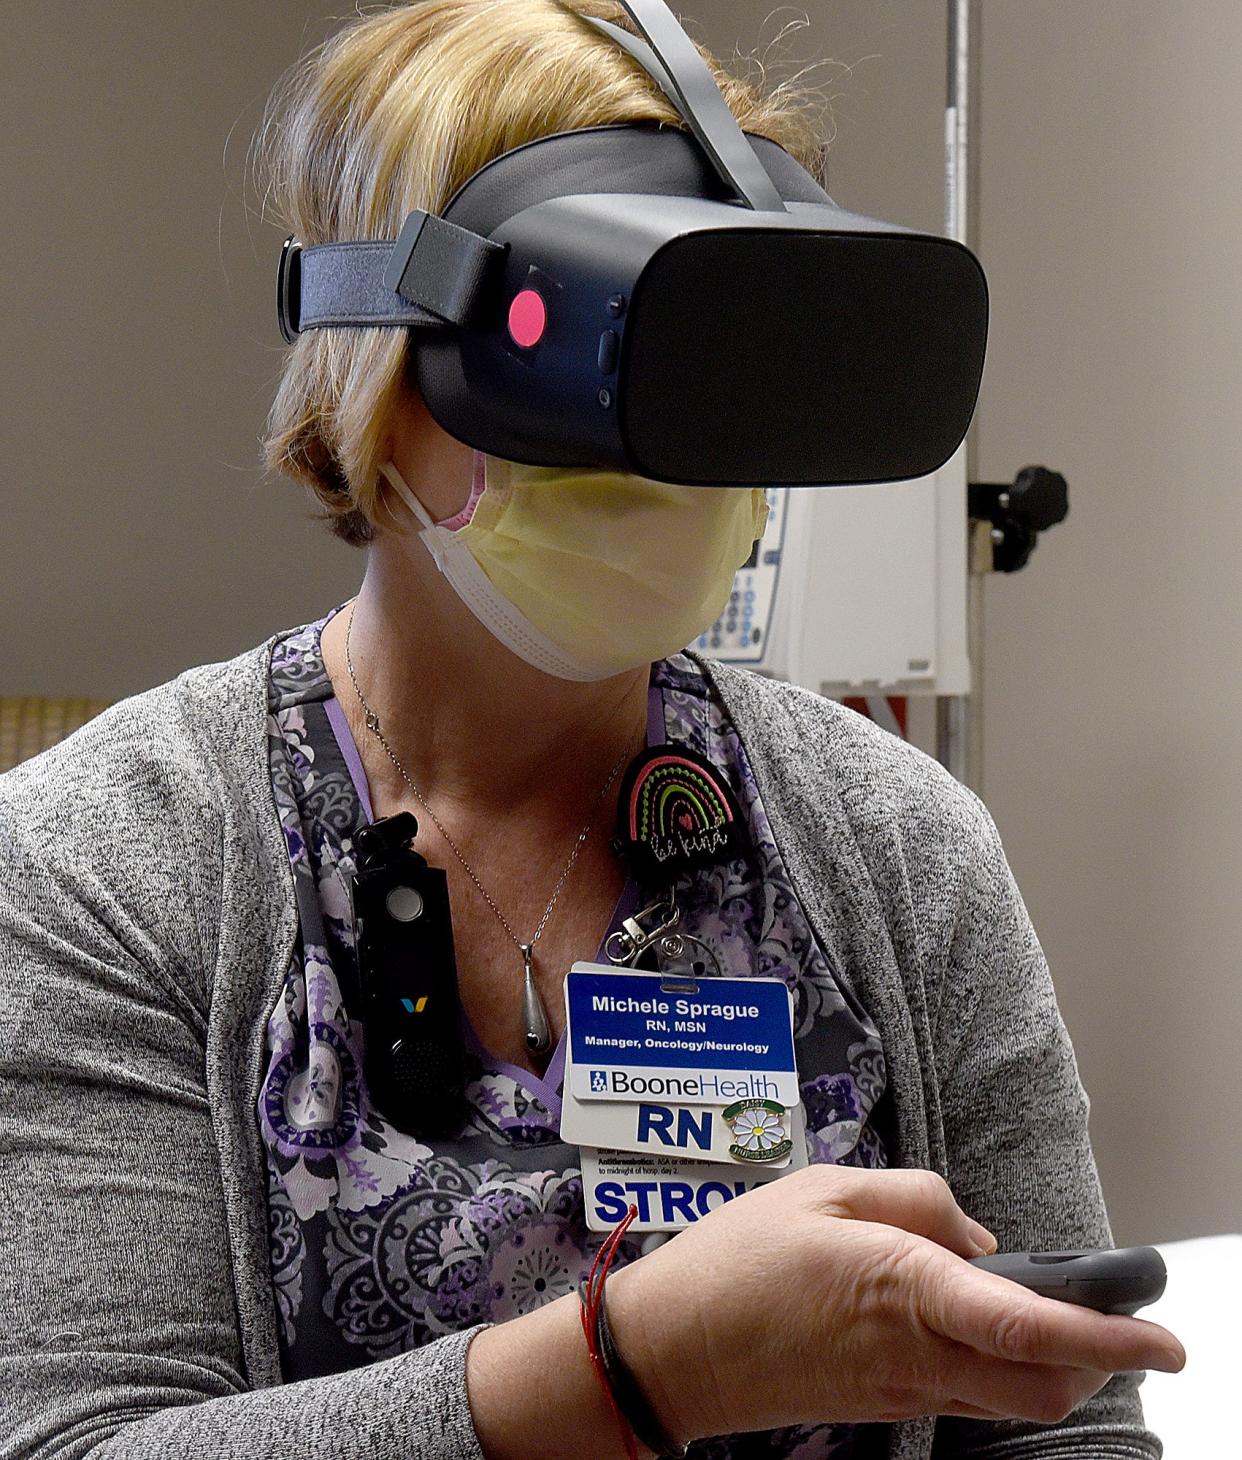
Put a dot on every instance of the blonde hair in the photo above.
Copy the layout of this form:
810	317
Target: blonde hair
394	112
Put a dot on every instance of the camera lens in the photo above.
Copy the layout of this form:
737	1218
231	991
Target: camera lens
404	904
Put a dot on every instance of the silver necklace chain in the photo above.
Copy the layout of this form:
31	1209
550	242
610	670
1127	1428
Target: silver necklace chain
373	726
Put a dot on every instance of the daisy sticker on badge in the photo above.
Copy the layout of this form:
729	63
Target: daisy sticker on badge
760	1130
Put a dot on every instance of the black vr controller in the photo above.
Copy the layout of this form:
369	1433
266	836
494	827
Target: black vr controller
1111	1281
685	305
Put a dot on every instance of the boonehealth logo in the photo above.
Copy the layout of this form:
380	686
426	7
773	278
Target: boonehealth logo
698	1085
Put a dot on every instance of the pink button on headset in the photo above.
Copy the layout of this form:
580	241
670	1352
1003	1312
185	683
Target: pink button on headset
528	318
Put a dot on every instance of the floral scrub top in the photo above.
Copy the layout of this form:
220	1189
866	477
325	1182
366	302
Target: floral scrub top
380	1242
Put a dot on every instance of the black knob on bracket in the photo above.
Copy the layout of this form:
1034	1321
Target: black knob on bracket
1019	511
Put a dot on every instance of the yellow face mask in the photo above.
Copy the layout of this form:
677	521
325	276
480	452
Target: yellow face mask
587	573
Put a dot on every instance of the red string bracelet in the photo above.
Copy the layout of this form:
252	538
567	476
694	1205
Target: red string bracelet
592	1295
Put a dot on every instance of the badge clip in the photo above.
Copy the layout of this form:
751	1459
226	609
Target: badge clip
681	957
683	960
634	939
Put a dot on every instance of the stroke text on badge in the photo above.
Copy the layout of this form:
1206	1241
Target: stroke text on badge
671	1203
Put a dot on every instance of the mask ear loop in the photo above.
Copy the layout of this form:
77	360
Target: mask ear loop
397	482
478	485
475	590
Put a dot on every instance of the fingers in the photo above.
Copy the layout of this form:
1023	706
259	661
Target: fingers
987	1312
933	1375
1004	1321
992	1388
916	1201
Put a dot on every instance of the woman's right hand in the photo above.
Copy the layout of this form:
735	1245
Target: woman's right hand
840	1295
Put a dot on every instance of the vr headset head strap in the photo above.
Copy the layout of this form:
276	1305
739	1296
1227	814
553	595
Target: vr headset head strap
673	62
430	276
436	270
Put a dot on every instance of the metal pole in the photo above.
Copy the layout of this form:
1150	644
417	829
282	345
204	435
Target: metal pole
959	718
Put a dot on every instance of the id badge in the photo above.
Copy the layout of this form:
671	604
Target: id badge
646	1037
670	1194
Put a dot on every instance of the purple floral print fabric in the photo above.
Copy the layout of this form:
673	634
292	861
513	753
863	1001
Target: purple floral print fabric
381	1243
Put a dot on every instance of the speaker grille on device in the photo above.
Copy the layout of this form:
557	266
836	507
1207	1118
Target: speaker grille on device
418	1070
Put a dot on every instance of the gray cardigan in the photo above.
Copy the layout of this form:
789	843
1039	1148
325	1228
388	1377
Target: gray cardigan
146	921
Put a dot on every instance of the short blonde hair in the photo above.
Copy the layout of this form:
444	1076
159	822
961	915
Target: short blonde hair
394	112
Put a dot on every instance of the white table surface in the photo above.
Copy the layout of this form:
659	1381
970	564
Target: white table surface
1198	1413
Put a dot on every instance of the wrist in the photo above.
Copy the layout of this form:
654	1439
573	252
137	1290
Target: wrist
656	1361
533	1391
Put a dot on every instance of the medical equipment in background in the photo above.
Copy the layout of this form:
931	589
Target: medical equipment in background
855	591
684	305
848	592
872	594
1007	518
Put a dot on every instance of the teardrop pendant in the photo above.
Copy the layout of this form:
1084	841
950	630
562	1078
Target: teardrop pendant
534	1015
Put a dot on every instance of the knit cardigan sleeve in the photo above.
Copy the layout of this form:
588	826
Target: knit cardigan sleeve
903	873
120	1332
1014	1115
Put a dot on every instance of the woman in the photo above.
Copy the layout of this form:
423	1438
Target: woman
219	1245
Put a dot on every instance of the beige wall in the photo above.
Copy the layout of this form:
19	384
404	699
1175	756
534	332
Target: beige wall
1112	234
137	537
140	347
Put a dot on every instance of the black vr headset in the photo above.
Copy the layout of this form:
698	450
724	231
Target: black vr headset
689	306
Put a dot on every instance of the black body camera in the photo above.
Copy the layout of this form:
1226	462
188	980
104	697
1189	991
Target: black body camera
414	1059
